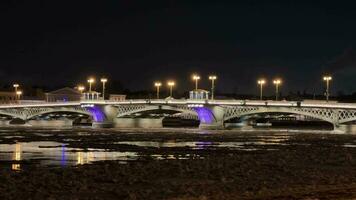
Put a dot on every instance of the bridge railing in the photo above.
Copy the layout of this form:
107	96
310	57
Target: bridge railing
316	104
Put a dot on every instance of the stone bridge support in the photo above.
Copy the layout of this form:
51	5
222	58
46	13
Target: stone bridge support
138	122
103	115
211	117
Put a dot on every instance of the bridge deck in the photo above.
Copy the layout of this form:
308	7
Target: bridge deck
319	104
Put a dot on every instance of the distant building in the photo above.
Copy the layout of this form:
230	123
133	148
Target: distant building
7	97
199	94
63	95
117	97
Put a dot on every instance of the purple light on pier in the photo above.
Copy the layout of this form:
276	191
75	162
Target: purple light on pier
97	113
205	115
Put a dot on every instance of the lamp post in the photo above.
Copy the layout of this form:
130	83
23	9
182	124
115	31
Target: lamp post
327	79
16	86
157	85
18	94
81	88
90	81
171	84
104	80
212	78
196	79
277	82
261	82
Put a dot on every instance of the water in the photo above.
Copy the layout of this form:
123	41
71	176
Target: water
56	154
62	148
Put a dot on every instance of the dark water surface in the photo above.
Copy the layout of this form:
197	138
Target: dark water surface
25	147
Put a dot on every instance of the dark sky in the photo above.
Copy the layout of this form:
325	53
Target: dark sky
62	42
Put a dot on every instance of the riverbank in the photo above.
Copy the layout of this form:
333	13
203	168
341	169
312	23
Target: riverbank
298	173
177	164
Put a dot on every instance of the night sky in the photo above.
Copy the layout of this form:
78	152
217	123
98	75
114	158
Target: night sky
137	42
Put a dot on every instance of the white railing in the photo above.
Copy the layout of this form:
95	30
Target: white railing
316	104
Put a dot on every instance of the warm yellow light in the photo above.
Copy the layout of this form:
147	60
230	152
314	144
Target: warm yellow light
16	85
261	81
81	88
91	80
19	92
196	77
212	77
171	83
104	80
158	84
277	81
327	78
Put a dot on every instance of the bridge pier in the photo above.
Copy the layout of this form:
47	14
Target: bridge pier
50	123
211	117
105	124
138	122
103	116
346	128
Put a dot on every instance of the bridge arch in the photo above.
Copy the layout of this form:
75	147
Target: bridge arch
14	114
59	110
321	114
124	110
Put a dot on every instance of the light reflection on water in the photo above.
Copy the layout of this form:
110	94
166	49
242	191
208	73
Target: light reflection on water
16	157
54	153
50	153
268	140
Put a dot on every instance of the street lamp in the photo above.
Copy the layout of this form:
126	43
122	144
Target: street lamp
81	88
196	78
212	78
277	82
90	81
15	86
157	85
18	94
327	79
104	80
171	84
261	82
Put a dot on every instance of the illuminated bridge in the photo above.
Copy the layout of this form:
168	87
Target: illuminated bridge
212	114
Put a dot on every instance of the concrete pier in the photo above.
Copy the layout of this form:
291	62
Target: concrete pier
346	128
107	124
138	123
50	123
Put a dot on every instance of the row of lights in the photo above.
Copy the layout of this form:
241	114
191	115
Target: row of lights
278	81
195	77
90	81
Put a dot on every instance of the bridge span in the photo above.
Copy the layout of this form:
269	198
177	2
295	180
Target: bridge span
212	114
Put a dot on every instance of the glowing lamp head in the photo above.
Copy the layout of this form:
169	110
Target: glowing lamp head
261	82
104	80
277	81
91	80
196	77
327	78
171	83
212	77
81	88
19	92
15	85
158	84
